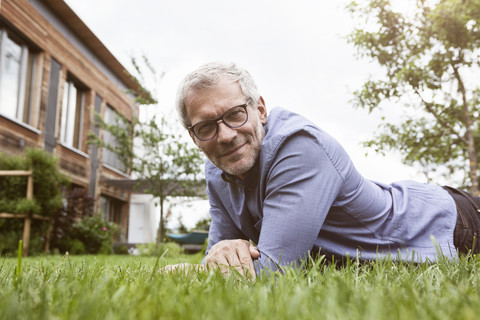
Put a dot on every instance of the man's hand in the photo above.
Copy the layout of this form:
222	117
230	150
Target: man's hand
237	254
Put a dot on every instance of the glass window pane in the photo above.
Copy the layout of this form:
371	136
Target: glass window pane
109	157
72	114
63	124
103	206
17	67
72	98
10	77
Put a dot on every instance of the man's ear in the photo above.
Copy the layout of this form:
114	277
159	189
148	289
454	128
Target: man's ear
262	110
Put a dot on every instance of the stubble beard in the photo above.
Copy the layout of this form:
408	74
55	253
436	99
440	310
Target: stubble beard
236	169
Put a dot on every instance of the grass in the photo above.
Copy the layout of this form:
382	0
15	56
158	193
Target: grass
128	287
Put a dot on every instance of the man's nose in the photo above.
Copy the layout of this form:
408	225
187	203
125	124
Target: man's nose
225	133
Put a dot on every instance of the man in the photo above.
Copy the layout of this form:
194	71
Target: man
283	184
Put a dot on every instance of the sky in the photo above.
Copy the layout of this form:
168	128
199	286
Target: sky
295	50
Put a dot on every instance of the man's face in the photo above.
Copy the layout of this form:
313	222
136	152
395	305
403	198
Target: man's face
232	150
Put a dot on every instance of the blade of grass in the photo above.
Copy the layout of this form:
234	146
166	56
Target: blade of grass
19	259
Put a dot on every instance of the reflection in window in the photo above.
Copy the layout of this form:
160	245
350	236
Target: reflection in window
17	65
110	157
72	115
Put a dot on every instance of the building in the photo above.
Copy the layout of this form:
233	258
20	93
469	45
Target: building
55	74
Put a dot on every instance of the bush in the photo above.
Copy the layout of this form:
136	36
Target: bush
78	204
120	249
95	234
72	246
170	249
48	182
203	224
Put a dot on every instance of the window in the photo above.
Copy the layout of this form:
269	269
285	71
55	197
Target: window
109	157
72	114
17	65
111	209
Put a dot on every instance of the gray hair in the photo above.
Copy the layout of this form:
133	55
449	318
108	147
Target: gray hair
207	76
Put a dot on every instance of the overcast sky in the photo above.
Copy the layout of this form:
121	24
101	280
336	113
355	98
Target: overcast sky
296	51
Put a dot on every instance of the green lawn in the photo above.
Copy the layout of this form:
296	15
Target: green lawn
128	287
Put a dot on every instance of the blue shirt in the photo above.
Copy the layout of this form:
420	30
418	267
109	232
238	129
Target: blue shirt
305	194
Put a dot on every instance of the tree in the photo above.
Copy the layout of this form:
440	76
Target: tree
48	182
429	56
164	163
154	151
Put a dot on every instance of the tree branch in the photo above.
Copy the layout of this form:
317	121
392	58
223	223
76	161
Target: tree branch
443	123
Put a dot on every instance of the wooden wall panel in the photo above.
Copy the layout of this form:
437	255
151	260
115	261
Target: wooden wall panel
27	20
52	44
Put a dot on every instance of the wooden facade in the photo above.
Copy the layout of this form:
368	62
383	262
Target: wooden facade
54	76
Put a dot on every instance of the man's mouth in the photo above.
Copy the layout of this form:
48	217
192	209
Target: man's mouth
232	150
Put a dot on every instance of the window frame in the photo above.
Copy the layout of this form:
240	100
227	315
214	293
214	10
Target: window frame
72	113
110	158
27	77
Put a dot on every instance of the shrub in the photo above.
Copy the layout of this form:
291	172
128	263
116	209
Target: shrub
78	204
95	233
48	182
77	247
120	249
203	224
170	249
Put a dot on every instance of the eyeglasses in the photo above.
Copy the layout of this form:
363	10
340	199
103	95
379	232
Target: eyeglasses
234	117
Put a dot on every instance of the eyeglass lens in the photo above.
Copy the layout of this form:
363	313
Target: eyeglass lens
233	118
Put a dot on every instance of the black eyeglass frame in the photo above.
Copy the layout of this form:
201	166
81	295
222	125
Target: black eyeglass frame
220	119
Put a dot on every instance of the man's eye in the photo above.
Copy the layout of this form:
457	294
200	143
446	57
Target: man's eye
205	127
236	114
